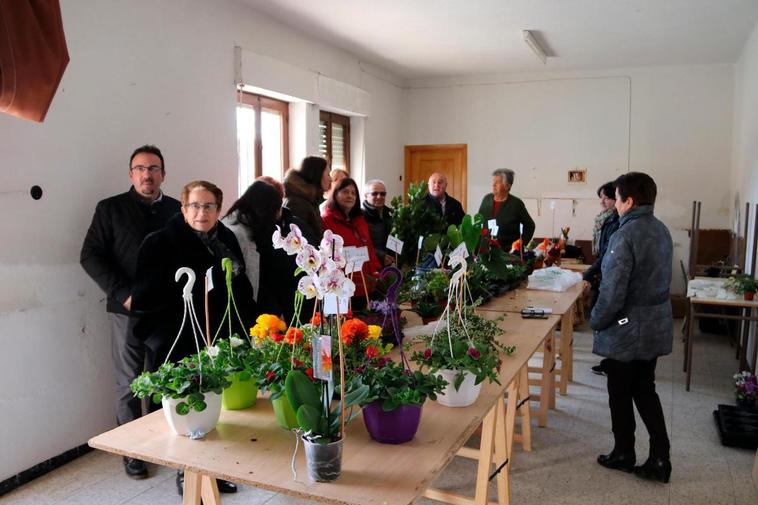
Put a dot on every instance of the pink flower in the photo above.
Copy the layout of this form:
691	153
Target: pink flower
474	353
428	354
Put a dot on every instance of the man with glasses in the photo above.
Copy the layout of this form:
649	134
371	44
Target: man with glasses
379	218
109	256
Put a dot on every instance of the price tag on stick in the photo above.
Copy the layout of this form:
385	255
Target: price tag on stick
395	244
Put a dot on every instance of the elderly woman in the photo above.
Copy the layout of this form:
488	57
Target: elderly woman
508	211
633	325
194	239
343	215
303	189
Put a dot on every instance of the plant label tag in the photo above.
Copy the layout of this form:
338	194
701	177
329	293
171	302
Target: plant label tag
494	230
508	266
209	277
520	229
331	302
420	242
460	251
394	244
492	223
322	357
438	256
354	258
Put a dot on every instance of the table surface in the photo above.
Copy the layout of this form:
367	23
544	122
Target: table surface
249	447
514	301
747	304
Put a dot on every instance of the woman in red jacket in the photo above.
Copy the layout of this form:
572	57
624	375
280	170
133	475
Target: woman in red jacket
343	215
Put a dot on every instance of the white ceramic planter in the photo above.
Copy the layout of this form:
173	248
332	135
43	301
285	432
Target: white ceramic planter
194	424
466	394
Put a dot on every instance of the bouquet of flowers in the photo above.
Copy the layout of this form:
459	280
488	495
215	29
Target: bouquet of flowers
746	387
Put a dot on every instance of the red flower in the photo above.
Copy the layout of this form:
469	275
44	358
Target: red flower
277	337
382	361
428	354
316	319
269	375
297	363
293	335
494	243
372	352
474	353
349	314
353	329
485	232
309	373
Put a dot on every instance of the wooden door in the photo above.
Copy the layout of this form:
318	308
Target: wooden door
448	159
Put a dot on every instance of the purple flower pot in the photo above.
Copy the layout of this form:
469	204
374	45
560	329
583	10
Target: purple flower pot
394	427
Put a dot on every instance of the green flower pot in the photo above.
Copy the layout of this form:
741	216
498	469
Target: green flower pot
284	413
241	394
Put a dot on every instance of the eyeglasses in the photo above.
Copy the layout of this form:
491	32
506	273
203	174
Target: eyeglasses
378	193
205	206
153	169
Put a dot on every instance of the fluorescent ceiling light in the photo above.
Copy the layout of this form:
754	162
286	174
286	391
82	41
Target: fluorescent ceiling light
534	45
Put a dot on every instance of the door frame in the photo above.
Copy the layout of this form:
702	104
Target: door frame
436	147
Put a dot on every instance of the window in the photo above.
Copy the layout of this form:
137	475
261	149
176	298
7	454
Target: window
334	141
262	138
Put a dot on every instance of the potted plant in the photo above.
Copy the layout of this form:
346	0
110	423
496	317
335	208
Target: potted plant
241	362
745	389
742	285
413	219
427	293
189	390
470	354
281	349
320	419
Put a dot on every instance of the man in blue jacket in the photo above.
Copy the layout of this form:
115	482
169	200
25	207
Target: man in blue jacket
633	325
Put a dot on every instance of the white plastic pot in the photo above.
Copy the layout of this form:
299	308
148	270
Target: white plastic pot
466	394
194	424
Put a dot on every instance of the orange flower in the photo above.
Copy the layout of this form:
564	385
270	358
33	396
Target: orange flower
293	335
316	319
353	329
326	361
372	351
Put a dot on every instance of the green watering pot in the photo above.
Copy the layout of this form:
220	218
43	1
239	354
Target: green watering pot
241	394
284	413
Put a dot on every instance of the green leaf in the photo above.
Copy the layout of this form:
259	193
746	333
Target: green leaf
301	390
309	418
182	408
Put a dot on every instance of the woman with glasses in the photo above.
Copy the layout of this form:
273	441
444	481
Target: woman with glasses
197	240
344	217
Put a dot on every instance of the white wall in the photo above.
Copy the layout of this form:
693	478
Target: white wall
673	122
140	72
745	167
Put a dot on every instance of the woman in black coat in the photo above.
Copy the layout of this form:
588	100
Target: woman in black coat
197	240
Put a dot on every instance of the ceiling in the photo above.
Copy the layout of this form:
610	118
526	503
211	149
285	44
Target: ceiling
432	38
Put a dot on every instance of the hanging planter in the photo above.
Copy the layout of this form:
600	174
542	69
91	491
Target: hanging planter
392	427
193	424
241	394
465	395
285	416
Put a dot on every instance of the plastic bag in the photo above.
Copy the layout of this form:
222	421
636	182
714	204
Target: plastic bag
553	279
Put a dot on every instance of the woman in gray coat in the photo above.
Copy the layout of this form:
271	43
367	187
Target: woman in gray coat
633	325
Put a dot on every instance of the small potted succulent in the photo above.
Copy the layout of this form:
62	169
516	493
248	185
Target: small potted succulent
189	390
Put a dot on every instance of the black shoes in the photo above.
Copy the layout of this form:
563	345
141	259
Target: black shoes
135	468
618	461
656	469
598	369
224	486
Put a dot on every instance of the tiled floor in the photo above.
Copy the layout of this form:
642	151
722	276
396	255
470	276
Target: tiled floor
561	469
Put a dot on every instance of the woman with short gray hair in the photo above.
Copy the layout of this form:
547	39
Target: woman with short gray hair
508	211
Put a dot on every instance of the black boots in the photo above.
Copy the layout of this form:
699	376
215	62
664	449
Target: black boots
656	469
224	486
618	461
135	468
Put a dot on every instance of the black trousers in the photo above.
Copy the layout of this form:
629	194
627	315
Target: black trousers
634	383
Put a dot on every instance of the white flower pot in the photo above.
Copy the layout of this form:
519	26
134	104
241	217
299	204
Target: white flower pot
466	394
194	424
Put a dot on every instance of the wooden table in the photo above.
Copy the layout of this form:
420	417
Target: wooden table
746	316
248	446
562	304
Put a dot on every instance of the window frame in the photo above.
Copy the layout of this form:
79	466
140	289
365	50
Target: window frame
258	103
329	118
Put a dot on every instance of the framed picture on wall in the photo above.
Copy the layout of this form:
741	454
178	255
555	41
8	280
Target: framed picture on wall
577	175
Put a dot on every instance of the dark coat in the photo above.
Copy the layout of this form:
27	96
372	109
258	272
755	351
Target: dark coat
606	232
380	227
157	297
302	199
510	215
109	251
632	317
453	209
